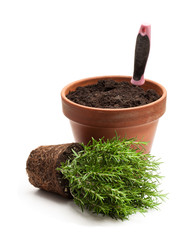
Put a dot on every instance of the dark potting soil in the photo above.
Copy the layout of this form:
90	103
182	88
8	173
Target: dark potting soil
111	94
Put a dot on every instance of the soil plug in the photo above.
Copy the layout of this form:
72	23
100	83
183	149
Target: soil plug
112	177
141	54
42	163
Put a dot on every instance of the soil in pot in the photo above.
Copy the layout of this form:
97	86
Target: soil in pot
111	94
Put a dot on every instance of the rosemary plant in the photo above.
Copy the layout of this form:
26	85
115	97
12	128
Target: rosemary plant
113	178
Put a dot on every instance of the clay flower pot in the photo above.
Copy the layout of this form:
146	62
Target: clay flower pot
140	122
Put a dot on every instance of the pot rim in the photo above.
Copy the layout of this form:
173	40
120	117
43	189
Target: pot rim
68	86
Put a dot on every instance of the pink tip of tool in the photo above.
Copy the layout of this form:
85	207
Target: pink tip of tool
138	83
145	29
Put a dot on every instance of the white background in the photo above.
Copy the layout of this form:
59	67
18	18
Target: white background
45	45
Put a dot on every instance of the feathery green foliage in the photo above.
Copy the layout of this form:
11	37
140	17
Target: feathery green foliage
112	178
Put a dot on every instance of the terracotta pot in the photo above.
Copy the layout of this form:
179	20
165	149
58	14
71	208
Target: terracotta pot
139	122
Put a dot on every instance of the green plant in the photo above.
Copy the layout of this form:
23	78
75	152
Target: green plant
114	178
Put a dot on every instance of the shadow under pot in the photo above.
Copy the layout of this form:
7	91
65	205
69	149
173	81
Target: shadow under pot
135	122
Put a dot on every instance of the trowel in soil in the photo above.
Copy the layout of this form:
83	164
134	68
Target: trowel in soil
141	54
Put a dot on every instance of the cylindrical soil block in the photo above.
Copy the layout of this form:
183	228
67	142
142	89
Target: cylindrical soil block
42	163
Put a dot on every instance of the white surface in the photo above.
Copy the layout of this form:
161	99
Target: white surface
46	44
